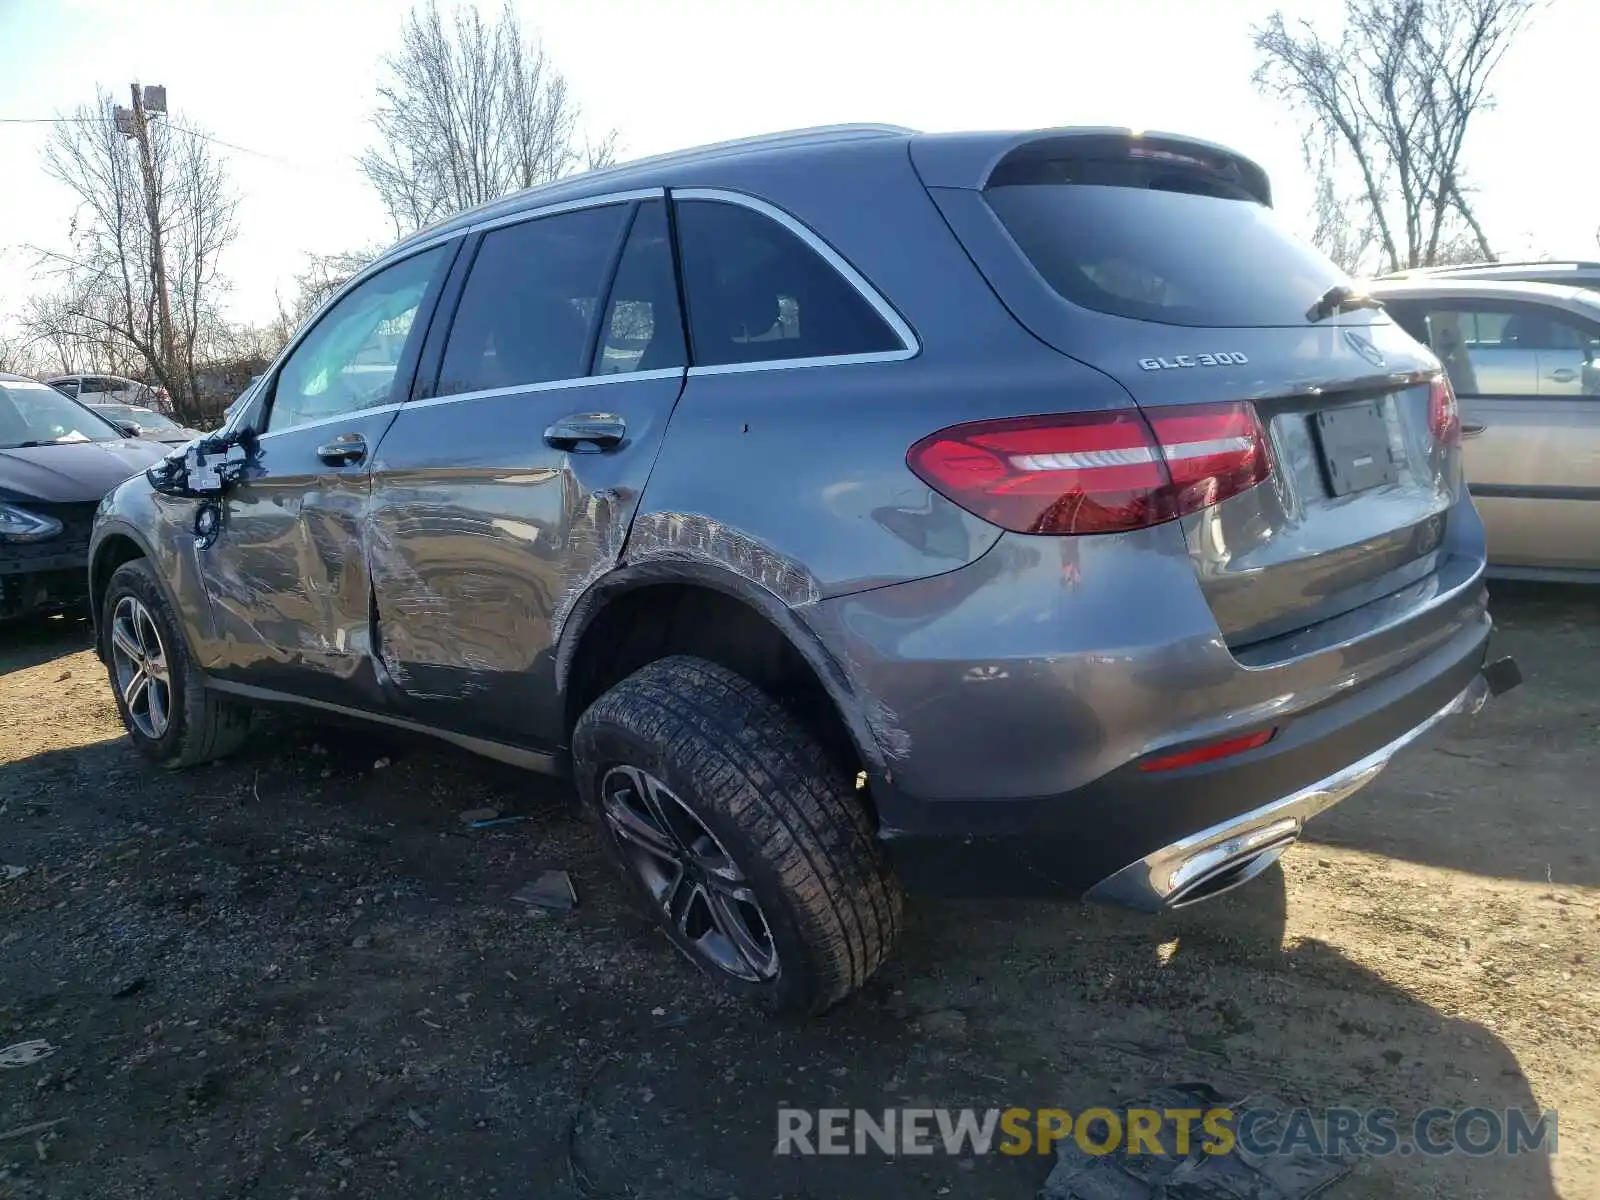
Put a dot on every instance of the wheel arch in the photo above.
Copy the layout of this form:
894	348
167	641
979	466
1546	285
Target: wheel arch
116	546
643	611
112	547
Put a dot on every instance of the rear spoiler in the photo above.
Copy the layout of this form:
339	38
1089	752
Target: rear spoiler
972	160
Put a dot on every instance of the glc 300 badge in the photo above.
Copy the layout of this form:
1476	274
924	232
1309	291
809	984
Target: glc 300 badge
1225	359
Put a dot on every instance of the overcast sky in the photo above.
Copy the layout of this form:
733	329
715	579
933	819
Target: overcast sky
293	83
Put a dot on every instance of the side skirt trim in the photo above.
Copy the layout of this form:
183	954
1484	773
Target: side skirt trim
533	760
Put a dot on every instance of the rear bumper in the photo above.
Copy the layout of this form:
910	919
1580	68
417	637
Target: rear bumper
1221	857
1154	840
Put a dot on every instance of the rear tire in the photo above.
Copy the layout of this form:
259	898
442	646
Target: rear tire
699	780
161	695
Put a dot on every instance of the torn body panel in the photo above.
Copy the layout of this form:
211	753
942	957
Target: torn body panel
481	536
286	571
694	536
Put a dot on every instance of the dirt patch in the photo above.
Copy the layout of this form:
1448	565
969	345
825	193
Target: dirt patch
300	973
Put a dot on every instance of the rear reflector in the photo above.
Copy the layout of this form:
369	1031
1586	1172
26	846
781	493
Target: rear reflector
1098	472
1444	415
1210	752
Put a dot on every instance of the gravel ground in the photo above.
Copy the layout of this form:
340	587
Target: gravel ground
299	973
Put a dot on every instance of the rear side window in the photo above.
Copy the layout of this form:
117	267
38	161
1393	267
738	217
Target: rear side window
1152	242
757	293
642	330
528	306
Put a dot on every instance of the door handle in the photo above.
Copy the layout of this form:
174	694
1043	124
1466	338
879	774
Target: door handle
1472	428
345	450
1563	375
602	431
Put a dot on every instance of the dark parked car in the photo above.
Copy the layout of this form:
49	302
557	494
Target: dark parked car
844	509
57	459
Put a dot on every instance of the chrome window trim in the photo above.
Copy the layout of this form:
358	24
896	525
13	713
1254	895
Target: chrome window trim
551	210
910	346
355	414
551	385
783	364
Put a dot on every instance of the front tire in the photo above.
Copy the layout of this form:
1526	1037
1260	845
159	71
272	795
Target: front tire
742	837
161	695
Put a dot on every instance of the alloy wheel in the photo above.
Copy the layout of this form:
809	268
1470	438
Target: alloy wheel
702	892
139	659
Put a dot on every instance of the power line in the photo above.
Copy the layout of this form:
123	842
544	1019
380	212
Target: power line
205	137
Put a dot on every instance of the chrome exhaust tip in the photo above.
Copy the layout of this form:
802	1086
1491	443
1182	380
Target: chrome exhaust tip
1218	870
1235	851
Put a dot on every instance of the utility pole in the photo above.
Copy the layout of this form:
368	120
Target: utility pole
141	135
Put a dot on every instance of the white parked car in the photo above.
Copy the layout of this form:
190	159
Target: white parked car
113	389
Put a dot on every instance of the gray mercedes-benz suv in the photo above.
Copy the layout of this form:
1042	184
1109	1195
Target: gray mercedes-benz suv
846	509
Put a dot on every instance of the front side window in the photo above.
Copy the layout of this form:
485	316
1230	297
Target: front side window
528	307
35	414
349	359
757	293
67	387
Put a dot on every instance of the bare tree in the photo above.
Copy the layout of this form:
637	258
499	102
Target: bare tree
324	275
472	111
1392	98
1344	229
20	355
108	308
72	329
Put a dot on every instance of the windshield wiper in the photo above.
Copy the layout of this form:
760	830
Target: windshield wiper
28	445
1338	299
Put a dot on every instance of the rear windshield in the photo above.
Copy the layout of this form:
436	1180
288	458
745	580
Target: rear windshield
1174	256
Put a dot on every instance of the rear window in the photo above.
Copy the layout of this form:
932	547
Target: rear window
1156	245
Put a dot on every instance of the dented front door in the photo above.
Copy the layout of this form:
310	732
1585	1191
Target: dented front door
286	571
286	575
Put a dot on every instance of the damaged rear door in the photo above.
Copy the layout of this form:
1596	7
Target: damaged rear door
507	484
286	574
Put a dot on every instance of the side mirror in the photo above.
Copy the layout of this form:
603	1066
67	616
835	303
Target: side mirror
205	467
129	429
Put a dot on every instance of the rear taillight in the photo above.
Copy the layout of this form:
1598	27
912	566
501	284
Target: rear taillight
1099	472
1444	415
